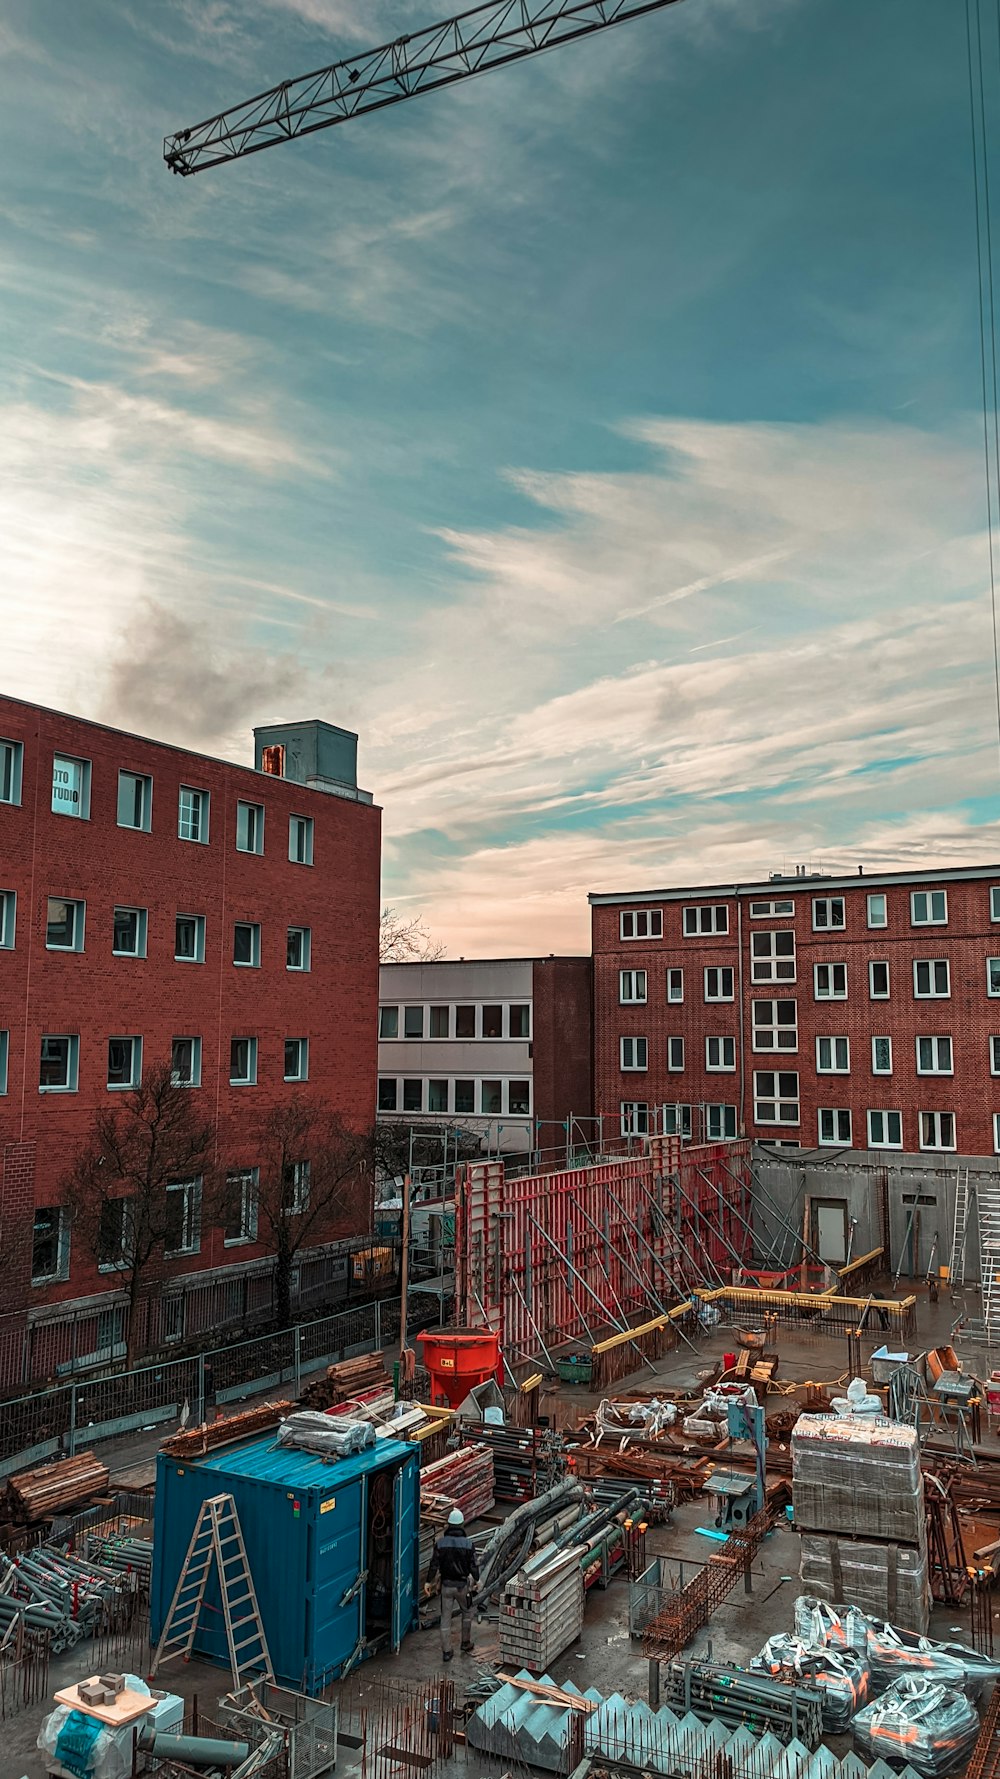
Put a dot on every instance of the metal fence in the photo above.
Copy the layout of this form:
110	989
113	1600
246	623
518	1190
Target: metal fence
76	1416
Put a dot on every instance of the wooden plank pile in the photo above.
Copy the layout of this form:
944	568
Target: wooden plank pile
53	1488
349	1377
462	1479
194	1442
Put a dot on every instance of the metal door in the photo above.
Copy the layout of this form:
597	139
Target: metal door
334	1623
405	1551
831	1230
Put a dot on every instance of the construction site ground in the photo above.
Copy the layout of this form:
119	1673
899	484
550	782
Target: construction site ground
605	1656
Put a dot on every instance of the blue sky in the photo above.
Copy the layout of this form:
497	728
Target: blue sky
599	438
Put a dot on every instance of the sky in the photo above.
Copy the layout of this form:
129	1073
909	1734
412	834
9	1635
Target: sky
601	439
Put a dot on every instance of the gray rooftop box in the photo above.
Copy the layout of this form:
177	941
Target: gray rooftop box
315	754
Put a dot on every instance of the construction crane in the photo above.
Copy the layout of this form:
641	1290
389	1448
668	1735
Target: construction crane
470	43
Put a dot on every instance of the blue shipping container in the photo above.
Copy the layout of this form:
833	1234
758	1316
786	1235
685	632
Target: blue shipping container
333	1549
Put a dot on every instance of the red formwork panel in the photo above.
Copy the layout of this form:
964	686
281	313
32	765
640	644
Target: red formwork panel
556	1257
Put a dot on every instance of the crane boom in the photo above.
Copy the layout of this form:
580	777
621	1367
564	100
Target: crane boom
486	36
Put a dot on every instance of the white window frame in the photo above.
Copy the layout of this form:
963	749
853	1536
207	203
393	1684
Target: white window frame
250	1079
879	963
779	1097
634	1118
72	1081
675	986
81	797
630	1047
248	1179
922	908
253	961
677	1121
8	919
839	1133
141	930
767	963
831	1046
11	771
932	1127
249	827
932	964
700	920
995	1055
640	923
759	1026
135	1076
631	988
884	1141
301	1186
141	783
187	807
829	973
302	1072
881	1039
305	966
675	1056
934	1067
79	923
824	914
301	830
996	1133
995	901
190	1216
63	1230
772	910
723	1045
388	1037
878	897
199	940
4	1060
713	970
194	1080
993	977
721	1124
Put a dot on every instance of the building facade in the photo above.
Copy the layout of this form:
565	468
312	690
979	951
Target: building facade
499	1047
827	1012
161	907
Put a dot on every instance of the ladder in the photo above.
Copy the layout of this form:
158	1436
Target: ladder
956	1270
988	1193
217	1540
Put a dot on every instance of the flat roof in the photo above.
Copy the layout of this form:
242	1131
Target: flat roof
437	963
291	1467
780	887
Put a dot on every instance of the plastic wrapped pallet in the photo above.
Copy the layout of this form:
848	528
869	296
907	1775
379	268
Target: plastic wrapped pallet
841	1676
883	1580
892	1652
832	1627
930	1726
332	1436
859	1476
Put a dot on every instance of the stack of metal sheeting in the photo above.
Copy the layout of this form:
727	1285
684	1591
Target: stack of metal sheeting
733	1696
541	1609
515	1460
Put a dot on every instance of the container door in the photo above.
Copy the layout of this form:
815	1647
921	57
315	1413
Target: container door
335	1626
405	1548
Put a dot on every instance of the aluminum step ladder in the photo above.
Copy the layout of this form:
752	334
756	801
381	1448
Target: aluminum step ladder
988	1195
960	1229
217	1541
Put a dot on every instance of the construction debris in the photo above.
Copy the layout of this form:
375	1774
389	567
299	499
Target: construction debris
53	1488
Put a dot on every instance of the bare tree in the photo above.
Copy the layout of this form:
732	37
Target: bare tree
141	1144
403	941
313	1173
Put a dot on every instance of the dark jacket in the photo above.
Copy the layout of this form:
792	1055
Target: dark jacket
454	1560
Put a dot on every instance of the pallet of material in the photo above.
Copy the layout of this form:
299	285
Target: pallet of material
858	1476
885	1580
194	1442
52	1488
541	1609
349	1377
462	1479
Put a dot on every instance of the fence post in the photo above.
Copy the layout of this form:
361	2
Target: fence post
202	1415
71	1443
297	1358
378	1324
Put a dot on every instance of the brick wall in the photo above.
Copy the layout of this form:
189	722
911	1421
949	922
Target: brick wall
561	1054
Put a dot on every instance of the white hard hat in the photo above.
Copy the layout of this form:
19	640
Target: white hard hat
456	1517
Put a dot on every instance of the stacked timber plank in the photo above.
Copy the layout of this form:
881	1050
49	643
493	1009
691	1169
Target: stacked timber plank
349	1377
194	1442
859	1504
541	1609
462	1479
53	1488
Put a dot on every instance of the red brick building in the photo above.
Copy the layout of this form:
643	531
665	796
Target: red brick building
158	906
834	1012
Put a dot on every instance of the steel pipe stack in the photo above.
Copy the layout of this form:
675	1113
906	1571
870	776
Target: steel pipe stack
734	1696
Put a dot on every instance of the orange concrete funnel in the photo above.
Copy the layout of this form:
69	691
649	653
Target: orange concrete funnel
458	1359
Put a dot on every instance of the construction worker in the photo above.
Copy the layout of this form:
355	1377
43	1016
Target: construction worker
454	1559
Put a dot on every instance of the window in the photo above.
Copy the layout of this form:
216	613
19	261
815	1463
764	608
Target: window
775	1025
491	1101
720	1123
519	1098
833	1056
641	923
185	1062
776	1096
437	1096
129	932
937	1130
675	1055
878	981
520	1014
881	1056
834	1125
8	904
830	982
4	1057
768	910
70	787
64	922
296	1059
413	1022
465	1096
995	901
246	944
135	801
635	1118
718	983
996	1133
709	918
124	1062
11	762
885	1130
250	827
50	1245
675	985
877	911
298	954
633	1053
828	912
772	957
440	1018
413	1096
995	1056
295	1185
465	1022
192	815
241	1207
59	1066
929	908
720	1054
388	1022
492	1022
387	1093
300	839
677	1121
993	976
242	1062
931	979
114	1228
934	1056
189	939
183	1230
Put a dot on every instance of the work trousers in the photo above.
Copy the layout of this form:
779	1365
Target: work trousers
455	1594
